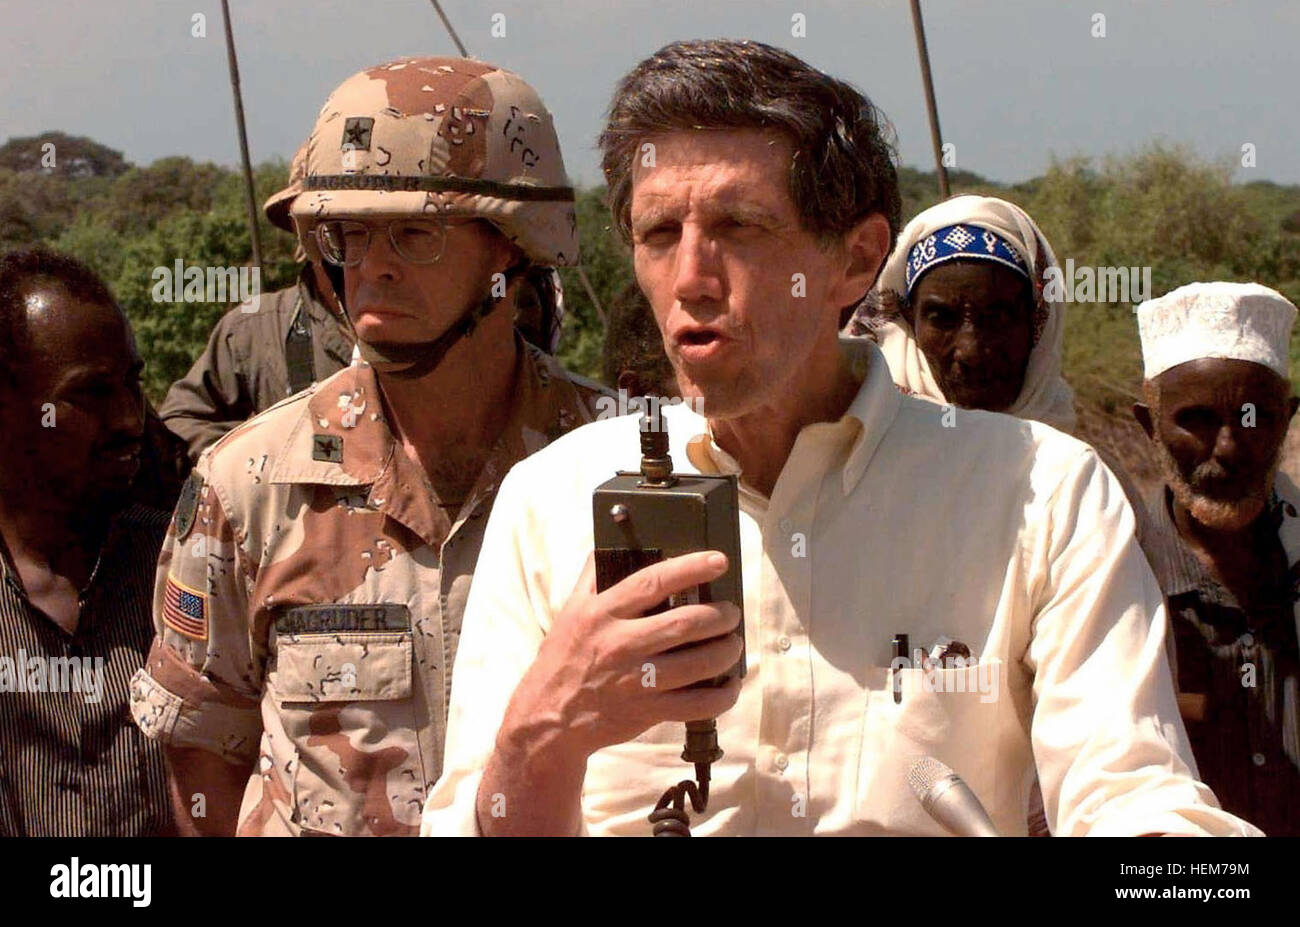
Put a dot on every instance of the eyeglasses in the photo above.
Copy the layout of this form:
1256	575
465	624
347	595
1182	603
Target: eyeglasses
344	242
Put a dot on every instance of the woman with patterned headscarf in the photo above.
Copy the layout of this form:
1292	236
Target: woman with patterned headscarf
960	314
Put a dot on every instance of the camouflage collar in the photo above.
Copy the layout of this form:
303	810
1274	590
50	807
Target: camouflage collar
343	439
546	406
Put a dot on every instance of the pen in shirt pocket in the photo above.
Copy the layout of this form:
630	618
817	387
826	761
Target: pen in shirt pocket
900	644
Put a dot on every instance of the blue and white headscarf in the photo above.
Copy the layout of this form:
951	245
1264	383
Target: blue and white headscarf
971	228
961	242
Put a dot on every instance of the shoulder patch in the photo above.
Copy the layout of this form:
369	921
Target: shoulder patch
185	610
187	506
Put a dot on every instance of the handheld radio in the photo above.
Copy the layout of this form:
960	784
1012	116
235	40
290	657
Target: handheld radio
643	517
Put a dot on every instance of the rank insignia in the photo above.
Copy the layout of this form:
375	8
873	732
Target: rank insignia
327	447
356	133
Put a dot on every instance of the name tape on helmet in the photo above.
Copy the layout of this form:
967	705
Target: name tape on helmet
389	182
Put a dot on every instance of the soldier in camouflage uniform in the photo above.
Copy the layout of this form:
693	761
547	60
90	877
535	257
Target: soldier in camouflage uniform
264	350
311	588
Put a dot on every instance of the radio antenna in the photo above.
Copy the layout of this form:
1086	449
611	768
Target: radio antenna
254	235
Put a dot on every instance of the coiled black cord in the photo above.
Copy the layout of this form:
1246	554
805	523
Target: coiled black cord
669	817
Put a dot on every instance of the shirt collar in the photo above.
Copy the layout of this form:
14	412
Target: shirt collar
350	441
874	408
341	438
865	422
1176	566
1177	569
118	539
544	406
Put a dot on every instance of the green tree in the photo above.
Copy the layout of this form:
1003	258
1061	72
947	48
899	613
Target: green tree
607	262
70	156
171	334
144	196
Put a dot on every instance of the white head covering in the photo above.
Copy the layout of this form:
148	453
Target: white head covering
1239	321
1045	396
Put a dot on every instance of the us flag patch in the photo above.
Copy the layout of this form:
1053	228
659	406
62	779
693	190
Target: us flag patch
185	610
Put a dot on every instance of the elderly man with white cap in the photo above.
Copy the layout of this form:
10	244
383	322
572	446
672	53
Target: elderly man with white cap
1224	537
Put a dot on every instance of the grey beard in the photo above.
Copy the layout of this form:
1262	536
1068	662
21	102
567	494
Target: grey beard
1219	514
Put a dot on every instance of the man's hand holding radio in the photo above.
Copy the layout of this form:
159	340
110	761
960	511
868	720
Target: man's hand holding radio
590	688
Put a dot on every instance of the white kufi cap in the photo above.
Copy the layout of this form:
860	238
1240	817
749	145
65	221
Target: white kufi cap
1239	321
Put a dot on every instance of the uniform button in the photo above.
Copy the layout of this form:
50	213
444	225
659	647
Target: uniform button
1248	640
785	525
1259	759
784	643
782	761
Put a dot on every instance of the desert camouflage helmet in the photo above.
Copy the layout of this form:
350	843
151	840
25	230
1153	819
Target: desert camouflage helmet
419	136
277	205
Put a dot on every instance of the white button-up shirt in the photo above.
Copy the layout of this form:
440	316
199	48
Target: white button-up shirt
902	517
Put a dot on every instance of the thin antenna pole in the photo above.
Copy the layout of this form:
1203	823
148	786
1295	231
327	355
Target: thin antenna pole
255	236
935	136
591	295
450	31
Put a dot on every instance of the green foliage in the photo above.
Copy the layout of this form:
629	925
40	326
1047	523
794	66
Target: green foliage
169	333
920	189
70	156
144	196
1164	208
35	207
147	218
1160	207
607	262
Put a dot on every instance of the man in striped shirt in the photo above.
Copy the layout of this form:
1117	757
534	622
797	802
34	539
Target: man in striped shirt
76	559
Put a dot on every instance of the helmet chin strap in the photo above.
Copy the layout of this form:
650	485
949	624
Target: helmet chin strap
414	359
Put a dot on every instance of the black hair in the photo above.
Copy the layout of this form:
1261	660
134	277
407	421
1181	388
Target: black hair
843	168
20	271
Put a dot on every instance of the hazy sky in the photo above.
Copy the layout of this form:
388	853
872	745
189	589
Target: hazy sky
1017	81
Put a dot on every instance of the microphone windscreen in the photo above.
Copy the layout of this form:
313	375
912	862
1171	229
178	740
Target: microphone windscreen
924	775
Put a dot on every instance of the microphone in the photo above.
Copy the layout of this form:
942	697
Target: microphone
949	800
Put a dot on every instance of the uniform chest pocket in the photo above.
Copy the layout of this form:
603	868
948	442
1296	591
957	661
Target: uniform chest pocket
343	666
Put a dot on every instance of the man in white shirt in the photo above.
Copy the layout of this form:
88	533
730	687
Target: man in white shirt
761	200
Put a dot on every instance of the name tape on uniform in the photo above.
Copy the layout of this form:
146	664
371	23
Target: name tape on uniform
307	619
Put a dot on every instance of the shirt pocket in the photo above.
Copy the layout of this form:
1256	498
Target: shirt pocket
957	716
346	666
346	702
